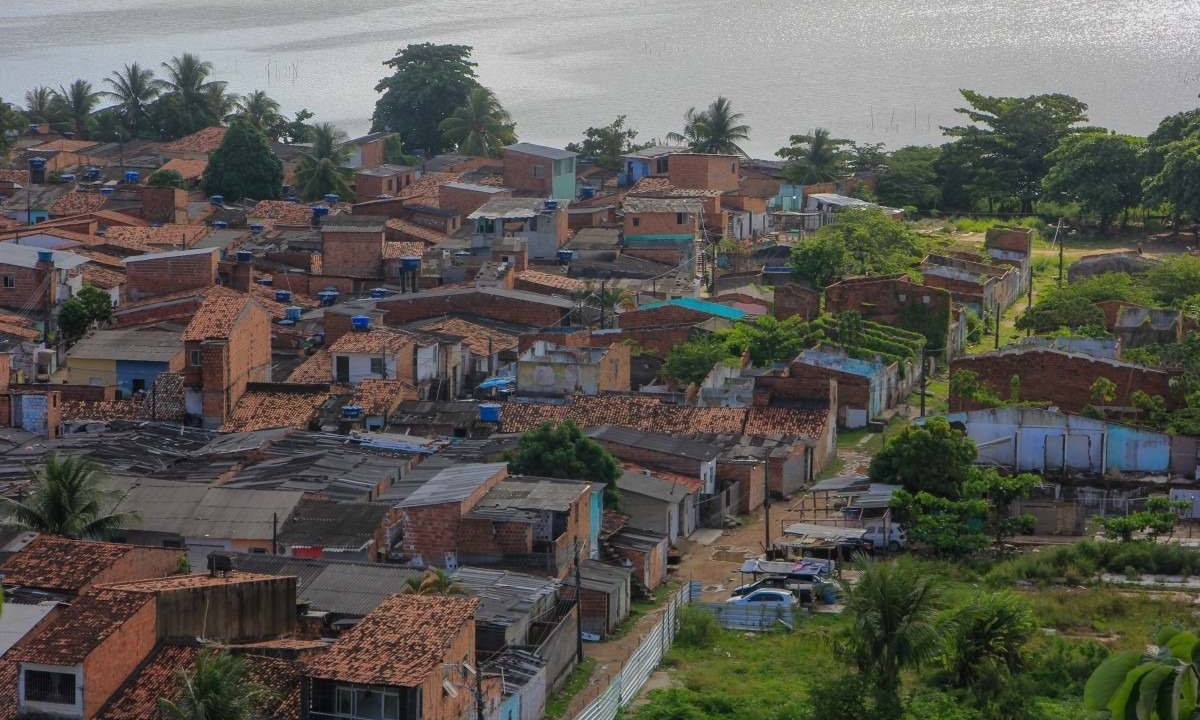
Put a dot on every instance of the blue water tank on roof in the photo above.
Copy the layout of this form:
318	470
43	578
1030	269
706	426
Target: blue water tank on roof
320	211
107	191
564	256
267	281
45	256
131	176
37	163
379	293
292	312
351	412
67	177
283	295
360	322
220	224
256	228
489	412
410	262
217	199
332	198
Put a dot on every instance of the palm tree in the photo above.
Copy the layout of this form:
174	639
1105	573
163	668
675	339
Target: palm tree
435	581
986	640
892	609
322	170
200	100
481	127
259	108
79	99
68	500
815	158
134	89
219	688
716	130
42	105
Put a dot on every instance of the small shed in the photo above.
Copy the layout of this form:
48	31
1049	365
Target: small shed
606	591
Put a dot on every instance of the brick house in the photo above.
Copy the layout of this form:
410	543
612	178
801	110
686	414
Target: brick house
411	657
549	369
32	280
384	354
897	300
170	272
373	183
227	344
793	299
683	456
366	151
704	172
662	229
1061	378
465	198
164	205
972	280
352	246
62	566
516	307
541	224
659	503
540	171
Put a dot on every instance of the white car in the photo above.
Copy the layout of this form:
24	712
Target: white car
886	537
764	595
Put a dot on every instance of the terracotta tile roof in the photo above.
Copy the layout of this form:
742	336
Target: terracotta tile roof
378	397
18	326
202	141
64	145
76	631
266	296
102	277
57	563
196	580
189	169
413	632
785	421
656	186
217	315
282	212
550	280
75	202
413	230
317	368
639	413
394	250
262	409
155	239
476	337
97	257
21	177
425	190
8	689
159	678
116	217
372	341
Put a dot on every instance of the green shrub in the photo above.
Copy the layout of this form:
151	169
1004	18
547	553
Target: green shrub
697	628
1059	667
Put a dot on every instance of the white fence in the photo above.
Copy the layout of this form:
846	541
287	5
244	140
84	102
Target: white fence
626	684
755	617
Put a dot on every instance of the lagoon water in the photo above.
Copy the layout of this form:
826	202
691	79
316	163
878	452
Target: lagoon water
873	70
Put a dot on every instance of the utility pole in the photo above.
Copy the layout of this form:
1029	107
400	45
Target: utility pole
478	690
924	364
578	610
997	326
766	515
603	295
1029	302
1057	231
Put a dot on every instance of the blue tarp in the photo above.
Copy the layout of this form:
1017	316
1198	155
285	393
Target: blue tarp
497	382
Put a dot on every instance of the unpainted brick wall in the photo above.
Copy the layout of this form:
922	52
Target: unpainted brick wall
160	276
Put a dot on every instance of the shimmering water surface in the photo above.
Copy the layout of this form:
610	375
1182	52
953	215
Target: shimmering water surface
879	70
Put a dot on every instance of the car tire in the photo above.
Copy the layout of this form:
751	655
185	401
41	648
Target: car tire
893	546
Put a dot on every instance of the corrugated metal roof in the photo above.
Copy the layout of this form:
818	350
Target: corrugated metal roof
651	486
198	511
660	442
533	494
721	311
544	151
453	484
170	254
133	345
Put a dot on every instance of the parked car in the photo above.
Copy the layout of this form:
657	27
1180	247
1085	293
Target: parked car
782	582
765	595
892	537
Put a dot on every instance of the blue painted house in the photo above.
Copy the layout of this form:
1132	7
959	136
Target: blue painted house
129	359
646	162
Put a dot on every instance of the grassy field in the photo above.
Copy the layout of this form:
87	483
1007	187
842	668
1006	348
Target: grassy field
769	675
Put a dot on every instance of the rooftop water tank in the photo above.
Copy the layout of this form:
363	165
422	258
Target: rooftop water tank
283	295
220	224
489	412
131	176
107	191
256	228
245	256
379	293
292	198
217	199
292	312
550	204
410	262
586	192
564	256
328	297
67	177
287	322
37	163
332	198
45	256
351	412
268	281
384	196
360	322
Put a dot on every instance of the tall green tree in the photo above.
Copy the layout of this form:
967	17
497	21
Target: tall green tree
191	101
243	167
322	170
1101	171
608	144
90	305
79	99
218	688
892	610
434	581
817	157
1178	181
910	178
931	457
717	129
1011	138
68	499
260	109
134	89
563	451
690	362
860	241
428	82
11	121
481	127
43	105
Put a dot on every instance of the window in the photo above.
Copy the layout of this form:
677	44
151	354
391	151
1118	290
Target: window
533	224
637	221
377	366
925	299
902	297
50	687
10	281
138	385
680	218
733	167
196	358
661	164
341	368
538	171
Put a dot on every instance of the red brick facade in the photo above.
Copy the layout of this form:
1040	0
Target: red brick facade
353	254
108	666
165	205
892	300
369	186
519	173
1060	378
519	311
227	365
704	172
791	300
464	200
163	275
664	315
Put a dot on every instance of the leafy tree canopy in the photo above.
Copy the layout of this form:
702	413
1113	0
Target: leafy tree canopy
563	451
88	306
606	145
244	166
860	241
480	127
428	82
817	157
909	178
932	457
717	129
1100	171
165	178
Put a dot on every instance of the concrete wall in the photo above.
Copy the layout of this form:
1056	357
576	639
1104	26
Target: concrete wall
237	611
